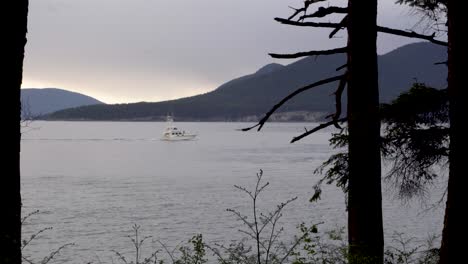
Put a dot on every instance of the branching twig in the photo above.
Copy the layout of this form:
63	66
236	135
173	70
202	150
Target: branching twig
254	207
307	3
34	236
340	26
276	213
338	94
26	217
244	190
258	225
288	253
241	218
27	260
240	258
325	11
297	11
309	53
291	95
120	256
52	255
26	242
273	220
170	253
217	254
138	244
411	34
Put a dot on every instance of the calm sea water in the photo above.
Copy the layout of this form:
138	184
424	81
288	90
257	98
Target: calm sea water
91	181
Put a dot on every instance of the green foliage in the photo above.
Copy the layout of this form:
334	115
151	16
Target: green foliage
335	168
234	253
414	141
406	253
415	137
430	5
263	230
315	248
194	255
420	105
434	12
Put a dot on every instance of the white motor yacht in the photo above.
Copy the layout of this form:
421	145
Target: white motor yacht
172	133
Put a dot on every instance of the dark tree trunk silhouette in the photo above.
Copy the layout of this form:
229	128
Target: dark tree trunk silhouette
365	228
454	234
13	42
365	225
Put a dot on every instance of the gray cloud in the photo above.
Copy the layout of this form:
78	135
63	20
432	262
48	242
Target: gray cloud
149	50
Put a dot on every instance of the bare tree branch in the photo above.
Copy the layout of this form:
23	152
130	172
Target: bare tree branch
338	93
338	26
342	25
342	67
307	3
309	53
411	34
288	253
55	252
296	12
170	253
291	95
322	126
307	24
325	11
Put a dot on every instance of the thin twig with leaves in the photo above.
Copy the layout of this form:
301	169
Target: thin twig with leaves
263	228
26	242
138	245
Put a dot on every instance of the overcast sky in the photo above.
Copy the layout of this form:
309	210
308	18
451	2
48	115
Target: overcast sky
122	51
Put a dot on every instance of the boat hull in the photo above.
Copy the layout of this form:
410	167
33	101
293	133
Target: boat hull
179	138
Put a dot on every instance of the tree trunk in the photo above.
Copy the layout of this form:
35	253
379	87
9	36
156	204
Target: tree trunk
13	42
365	228
454	235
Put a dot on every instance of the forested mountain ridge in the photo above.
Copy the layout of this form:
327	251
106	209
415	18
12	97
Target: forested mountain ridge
37	102
248	97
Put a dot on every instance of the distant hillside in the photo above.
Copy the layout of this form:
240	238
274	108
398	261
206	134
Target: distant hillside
42	101
248	97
